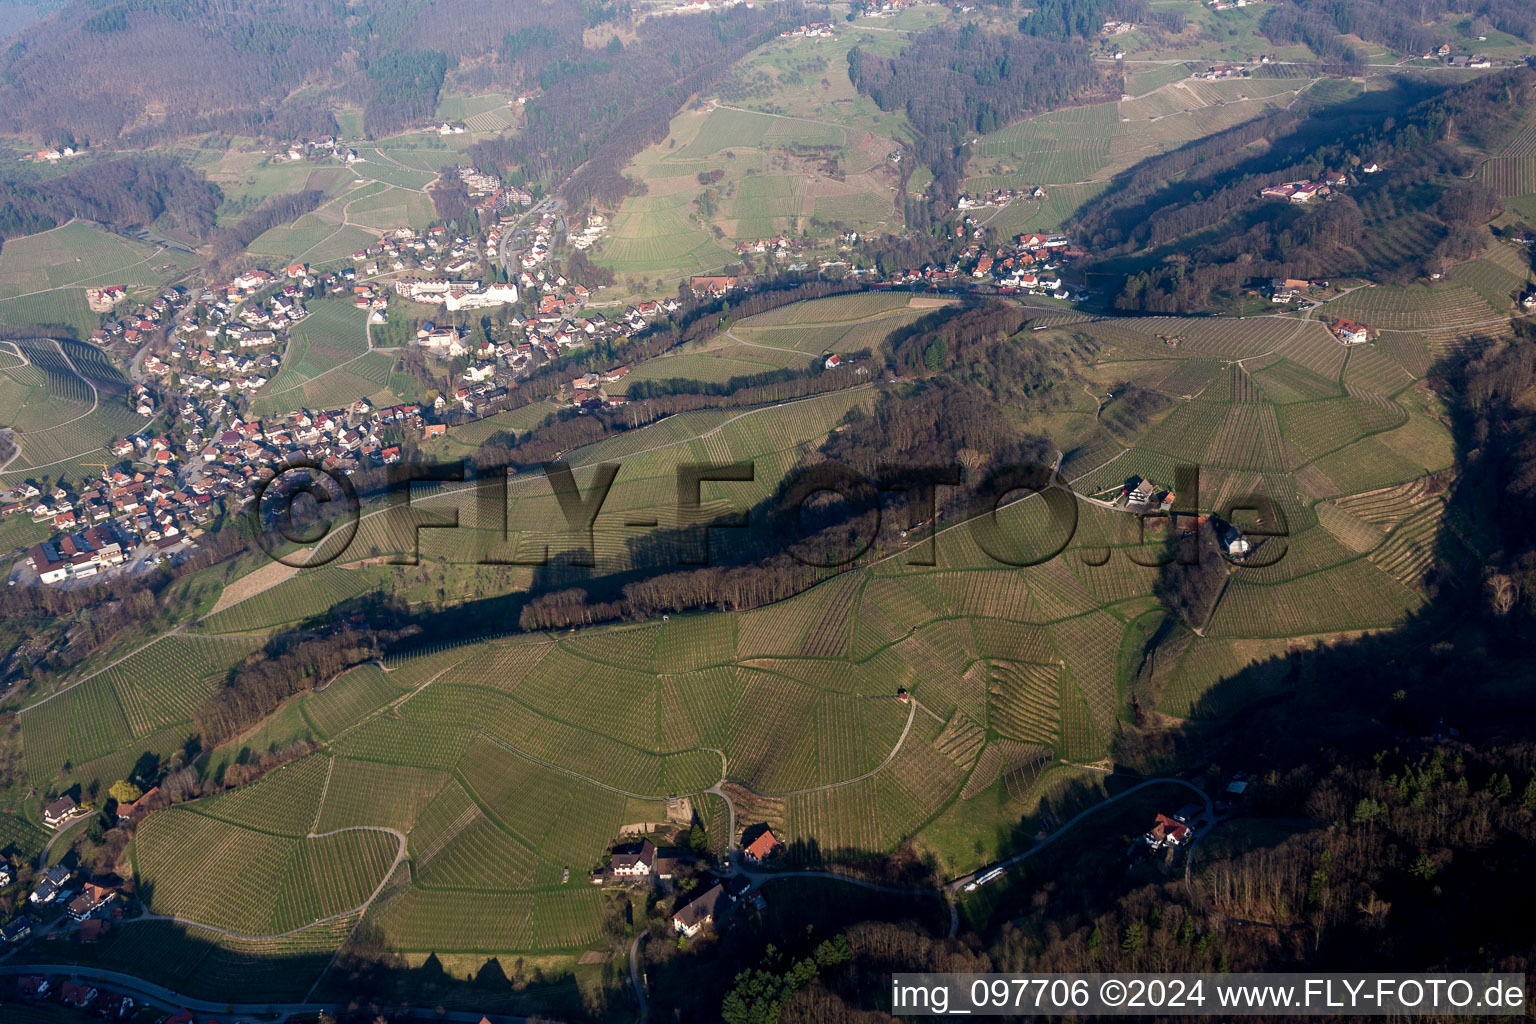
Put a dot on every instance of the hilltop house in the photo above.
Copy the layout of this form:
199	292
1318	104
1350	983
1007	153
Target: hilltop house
1351	333
1232	540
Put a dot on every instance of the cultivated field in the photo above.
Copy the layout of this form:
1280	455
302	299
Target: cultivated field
505	763
327	358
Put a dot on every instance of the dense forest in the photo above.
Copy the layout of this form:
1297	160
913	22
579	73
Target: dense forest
159	69
1194	224
406	84
955	83
129	192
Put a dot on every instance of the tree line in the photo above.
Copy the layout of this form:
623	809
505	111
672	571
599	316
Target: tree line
284	209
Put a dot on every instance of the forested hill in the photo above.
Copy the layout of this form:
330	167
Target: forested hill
151	69
955	83
128	192
1190	222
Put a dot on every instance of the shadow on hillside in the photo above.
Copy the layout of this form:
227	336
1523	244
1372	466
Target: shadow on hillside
1290	147
1454	668
1457	664
364	981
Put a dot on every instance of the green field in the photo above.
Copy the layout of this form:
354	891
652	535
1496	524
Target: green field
301	597
327	357
352	220
800	150
43	277
1074	152
78	254
506	762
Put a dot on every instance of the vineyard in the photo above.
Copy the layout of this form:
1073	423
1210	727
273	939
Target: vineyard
1414	307
507	763
310	593
139	700
286	884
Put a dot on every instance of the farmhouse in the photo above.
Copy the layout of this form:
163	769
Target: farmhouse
127	812
1351	333
1294	191
1167	831
60	811
633	861
701	913
763	846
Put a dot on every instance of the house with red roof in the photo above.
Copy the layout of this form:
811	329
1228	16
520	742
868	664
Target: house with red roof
1167	831
765	845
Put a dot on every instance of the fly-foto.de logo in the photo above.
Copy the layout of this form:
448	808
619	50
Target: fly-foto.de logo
826	515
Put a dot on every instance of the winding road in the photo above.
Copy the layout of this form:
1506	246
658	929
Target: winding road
951	891
1210	809
163	998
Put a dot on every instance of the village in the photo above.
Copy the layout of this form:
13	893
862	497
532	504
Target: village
1030	264
70	905
203	357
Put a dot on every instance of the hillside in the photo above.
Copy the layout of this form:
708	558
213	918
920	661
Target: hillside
604	512
788	711
165	68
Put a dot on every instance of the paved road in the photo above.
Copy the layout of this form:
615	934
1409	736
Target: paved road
168	999
634	974
516	240
59	833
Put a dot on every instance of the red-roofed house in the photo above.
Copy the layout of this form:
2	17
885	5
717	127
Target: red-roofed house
1351	333
1167	831
763	847
77	995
